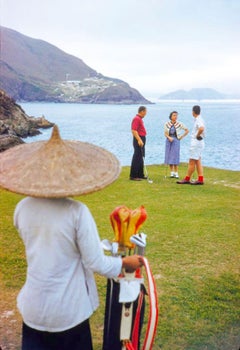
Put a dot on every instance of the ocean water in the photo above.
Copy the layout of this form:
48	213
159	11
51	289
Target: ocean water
109	126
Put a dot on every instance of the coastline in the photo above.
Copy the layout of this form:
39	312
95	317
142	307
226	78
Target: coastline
104	124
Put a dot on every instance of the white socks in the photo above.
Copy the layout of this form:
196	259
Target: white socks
174	174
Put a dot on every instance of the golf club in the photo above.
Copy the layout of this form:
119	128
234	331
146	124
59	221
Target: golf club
146	172
106	245
110	246
166	169
145	168
140	240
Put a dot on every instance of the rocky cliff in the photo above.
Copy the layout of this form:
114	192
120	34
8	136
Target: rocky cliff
15	124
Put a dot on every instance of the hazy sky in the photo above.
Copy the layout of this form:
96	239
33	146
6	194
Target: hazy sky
155	45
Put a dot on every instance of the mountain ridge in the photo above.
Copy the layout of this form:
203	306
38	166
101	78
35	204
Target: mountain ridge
35	70
196	94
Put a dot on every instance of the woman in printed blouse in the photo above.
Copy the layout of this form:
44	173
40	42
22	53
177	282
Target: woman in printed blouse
173	131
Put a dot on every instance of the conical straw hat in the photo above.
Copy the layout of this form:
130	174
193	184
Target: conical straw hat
57	168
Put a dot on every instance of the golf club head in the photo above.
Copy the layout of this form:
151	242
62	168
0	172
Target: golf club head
139	239
115	246
106	245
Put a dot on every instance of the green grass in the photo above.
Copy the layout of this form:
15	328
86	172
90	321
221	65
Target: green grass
193	248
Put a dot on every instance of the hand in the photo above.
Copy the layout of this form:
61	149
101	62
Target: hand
132	263
199	138
170	139
140	143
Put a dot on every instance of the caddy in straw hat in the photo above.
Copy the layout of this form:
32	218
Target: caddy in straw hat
60	236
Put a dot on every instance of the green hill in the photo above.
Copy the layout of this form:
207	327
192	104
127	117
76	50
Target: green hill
35	70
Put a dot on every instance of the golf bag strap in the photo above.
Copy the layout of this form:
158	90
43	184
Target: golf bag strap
129	346
153	317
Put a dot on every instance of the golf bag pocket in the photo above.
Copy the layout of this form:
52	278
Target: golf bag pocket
122	320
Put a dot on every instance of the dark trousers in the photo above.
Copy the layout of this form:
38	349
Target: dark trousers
77	338
137	159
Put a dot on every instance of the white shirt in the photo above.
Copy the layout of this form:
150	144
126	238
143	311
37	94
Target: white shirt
198	123
62	250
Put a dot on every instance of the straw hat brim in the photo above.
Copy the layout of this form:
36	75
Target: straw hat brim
57	168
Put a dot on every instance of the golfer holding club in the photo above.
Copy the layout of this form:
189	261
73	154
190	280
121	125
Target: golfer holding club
61	241
139	139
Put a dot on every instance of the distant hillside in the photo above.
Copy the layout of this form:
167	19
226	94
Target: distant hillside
34	70
195	94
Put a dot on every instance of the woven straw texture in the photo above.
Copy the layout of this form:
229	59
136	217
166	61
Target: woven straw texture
57	168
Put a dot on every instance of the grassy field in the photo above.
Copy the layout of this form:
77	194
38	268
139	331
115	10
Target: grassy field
193	249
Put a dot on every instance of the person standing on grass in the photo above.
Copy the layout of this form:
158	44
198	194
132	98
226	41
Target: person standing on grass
139	140
196	149
173	133
62	244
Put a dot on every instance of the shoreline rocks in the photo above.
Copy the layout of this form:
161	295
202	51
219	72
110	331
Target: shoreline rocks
15	124
8	141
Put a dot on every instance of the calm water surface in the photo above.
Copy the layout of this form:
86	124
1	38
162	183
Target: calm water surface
109	126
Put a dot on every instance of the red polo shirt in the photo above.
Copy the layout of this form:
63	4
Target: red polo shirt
137	125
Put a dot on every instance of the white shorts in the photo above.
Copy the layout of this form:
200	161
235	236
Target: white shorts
196	150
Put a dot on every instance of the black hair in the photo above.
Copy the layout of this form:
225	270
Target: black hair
196	110
170	116
141	109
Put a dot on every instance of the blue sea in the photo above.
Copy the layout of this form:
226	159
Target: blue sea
108	126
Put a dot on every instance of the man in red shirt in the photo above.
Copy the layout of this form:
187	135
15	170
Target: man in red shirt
139	140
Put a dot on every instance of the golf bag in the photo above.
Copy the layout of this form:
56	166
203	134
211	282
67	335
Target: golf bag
125	298
113	317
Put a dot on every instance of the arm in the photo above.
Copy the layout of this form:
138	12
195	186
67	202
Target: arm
167	136
166	133
137	137
185	133
131	263
200	131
